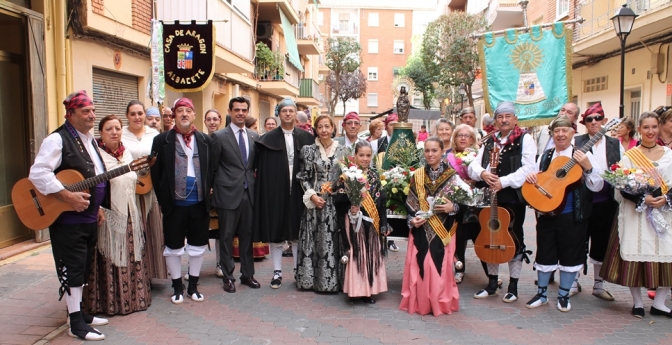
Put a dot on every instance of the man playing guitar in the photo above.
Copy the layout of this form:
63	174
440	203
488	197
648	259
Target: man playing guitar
75	233
517	152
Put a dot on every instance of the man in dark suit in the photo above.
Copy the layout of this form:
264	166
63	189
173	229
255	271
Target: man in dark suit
182	177
234	152
607	151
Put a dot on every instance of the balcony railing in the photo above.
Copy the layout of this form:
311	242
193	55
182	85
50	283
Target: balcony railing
306	31
275	72
345	28
309	88
597	14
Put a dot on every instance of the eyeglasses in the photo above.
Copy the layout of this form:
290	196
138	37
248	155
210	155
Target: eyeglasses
597	118
352	123
467	136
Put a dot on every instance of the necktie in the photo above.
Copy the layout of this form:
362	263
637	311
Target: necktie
243	152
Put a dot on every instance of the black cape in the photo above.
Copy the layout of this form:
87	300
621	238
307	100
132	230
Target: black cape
277	214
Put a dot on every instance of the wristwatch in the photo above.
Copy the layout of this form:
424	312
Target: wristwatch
589	171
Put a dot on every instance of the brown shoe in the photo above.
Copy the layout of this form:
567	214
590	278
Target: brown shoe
229	286
251	282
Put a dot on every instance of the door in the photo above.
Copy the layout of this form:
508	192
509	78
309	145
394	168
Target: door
14	124
111	93
635	105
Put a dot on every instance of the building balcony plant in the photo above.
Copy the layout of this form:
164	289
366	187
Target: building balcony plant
269	65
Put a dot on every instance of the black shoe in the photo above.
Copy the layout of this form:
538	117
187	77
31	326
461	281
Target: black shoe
79	328
368	300
192	290
392	246
276	282
251	282
638	312
287	253
178	291
490	290
655	311
229	286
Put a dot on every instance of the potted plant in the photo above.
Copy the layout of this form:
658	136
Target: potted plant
265	59
278	66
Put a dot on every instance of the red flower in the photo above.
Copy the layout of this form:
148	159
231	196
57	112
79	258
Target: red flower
458	160
411	169
405	173
626	172
614	167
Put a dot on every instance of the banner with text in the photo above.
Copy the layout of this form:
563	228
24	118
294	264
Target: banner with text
533	70
189	55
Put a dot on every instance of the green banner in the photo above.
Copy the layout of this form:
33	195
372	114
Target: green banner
533	70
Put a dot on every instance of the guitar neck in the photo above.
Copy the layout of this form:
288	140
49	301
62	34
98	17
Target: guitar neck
585	148
96	180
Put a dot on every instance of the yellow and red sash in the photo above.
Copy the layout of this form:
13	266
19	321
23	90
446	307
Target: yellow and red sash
370	207
637	157
433	221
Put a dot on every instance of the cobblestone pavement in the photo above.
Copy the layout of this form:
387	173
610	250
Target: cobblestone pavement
30	312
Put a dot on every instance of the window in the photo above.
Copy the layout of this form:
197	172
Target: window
344	22
242	6
373	19
373	73
561	8
320	18
399	20
371	99
595	84
373	46
398	47
396	71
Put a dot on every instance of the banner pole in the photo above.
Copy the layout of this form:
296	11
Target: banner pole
526	29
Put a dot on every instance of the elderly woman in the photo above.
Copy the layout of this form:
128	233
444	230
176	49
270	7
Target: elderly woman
137	138
468	228
270	123
119	279
319	249
625	133
376	128
428	285
444	130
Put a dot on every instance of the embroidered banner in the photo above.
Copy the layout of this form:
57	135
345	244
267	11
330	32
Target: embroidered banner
534	70
189	55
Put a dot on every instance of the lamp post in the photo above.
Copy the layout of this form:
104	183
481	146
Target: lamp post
623	20
462	93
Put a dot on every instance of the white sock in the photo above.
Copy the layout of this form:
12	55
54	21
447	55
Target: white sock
662	293
174	265
636	293
599	282
74	299
276	255
295	252
195	263
493	269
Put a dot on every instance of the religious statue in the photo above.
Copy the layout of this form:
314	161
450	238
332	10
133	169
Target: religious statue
403	105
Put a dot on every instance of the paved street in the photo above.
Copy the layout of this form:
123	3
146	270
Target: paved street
30	313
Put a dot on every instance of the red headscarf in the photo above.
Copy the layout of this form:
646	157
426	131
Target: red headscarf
77	100
350	116
183	102
390	118
594	109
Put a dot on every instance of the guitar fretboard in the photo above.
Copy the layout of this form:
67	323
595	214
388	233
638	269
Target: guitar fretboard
96	180
570	164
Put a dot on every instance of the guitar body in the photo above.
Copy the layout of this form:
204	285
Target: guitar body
548	194
38	211
144	184
494	243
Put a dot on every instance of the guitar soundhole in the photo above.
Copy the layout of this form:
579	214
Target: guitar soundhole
561	173
493	224
143	172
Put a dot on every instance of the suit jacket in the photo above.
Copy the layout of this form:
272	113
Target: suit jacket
231	174
163	170
542	140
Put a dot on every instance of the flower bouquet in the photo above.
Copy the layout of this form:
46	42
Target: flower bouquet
355	184
629	180
396	185
458	192
466	157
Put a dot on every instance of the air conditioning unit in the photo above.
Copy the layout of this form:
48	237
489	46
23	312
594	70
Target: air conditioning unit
264	30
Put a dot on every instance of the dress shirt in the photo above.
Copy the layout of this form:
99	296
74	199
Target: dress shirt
289	145
189	152
49	159
236	133
516	178
600	152
594	181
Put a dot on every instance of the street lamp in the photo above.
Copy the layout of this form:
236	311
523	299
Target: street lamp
623	20
462	92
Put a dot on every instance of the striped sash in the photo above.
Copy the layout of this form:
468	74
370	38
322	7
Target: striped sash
637	157
370	207
433	221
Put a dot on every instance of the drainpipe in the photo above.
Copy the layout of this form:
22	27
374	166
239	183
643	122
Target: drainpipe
60	55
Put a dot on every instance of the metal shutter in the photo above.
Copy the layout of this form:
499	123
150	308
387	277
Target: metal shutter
111	93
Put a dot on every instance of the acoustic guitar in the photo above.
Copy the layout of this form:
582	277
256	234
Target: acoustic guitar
144	183
494	243
37	211
548	194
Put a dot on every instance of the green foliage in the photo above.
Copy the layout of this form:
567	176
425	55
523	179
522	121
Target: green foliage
269	64
448	51
343	56
423	80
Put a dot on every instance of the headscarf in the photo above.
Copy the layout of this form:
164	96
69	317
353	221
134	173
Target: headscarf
390	118
505	107
350	116
594	109
561	121
287	102
153	111
76	100
183	102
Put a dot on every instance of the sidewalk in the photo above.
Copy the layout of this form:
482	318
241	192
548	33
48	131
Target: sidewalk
29	312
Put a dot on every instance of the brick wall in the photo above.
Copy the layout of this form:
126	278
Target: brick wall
97	6
142	15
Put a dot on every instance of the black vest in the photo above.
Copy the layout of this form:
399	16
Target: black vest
583	197
510	160
74	158
613	152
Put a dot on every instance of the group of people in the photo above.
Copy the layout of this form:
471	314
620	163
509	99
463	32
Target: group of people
283	188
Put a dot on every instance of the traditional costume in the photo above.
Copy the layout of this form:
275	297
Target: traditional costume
320	248
365	243
119	281
278	196
73	234
517	152
428	285
182	177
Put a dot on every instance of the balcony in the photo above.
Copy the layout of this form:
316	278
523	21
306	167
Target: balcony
345	28
504	14
323	69
278	79
596	35
309	93
307	38
268	10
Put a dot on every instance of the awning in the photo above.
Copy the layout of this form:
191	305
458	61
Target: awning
316	4
290	40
